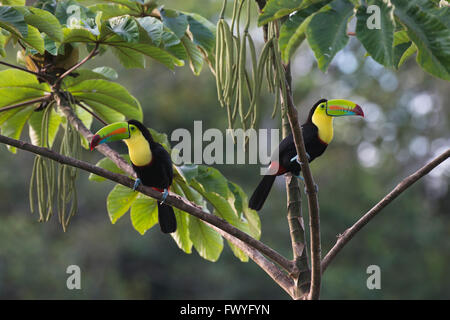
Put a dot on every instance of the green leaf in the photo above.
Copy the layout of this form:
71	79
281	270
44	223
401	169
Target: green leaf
125	27
202	34
327	31
131	54
241	205
111	10
13	21
108	94
14	125
107	72
144	213
403	48
2	44
108	164
119	201
34	39
13	2
153	27
182	235
194	55
18	86
275	9
78	35
35	127
175	21
429	34
207	242
378	42
292	32
43	20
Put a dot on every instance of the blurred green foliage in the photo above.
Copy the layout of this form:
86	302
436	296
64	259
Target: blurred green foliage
406	124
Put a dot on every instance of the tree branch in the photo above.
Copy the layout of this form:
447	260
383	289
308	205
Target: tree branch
344	238
85	132
285	282
172	199
295	221
39	75
25	103
313	203
79	64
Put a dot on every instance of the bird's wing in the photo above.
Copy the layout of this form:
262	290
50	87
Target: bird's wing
165	161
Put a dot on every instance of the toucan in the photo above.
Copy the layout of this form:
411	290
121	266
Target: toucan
150	161
317	134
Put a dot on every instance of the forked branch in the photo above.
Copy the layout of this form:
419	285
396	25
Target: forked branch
344	238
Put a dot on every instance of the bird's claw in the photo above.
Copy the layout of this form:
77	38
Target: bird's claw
316	189
136	184
164	196
297	159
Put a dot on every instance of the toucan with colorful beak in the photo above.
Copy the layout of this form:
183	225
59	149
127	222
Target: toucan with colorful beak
151	162
317	134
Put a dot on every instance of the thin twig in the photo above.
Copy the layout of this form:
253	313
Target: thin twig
79	64
172	199
25	103
39	75
295	220
399	189
313	203
91	112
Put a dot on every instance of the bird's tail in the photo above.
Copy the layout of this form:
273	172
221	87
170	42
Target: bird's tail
166	217
259	196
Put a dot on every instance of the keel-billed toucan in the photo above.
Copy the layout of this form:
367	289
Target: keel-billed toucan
317	134
150	160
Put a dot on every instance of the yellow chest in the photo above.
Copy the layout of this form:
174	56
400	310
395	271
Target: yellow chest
325	125
139	150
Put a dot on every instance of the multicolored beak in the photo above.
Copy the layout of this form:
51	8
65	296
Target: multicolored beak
113	132
341	107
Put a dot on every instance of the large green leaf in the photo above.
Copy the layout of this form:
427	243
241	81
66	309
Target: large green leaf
292	32
14	125
18	86
327	31
194	55
110	10
108	164
207	242
144	213
403	48
131	55
108	94
275	9
429	34
378	42
201	32
125	27
35	127
153	27
43	20
175	21
119	201
13	21
78	35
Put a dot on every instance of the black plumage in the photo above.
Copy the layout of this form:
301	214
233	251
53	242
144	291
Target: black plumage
286	152
158	174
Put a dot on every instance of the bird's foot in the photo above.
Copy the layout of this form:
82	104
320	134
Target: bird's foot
297	159
300	178
316	189
136	184
164	196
